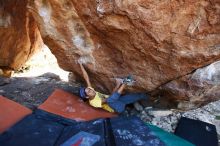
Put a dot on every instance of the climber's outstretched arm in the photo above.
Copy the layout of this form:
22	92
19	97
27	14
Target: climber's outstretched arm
85	75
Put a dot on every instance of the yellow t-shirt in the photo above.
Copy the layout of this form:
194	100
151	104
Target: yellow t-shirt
97	102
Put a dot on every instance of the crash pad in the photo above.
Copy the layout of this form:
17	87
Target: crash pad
33	130
46	129
10	113
71	106
197	132
132	131
168	138
95	127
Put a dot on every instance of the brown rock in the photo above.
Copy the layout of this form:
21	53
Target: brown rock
19	35
193	90
6	72
156	41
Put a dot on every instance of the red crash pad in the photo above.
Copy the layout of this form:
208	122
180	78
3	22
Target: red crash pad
10	113
70	106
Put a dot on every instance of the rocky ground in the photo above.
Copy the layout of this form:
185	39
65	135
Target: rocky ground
33	91
36	80
168	119
41	75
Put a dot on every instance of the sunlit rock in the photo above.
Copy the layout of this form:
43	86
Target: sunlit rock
19	35
156	41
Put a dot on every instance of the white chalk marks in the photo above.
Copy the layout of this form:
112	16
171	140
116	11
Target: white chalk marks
126	135
5	18
104	6
194	25
45	13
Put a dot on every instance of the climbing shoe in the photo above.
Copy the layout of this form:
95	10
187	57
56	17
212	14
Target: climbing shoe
129	80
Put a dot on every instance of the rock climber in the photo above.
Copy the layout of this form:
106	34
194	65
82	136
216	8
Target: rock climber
115	102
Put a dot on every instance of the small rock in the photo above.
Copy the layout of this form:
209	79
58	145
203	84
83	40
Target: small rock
159	113
185	105
138	107
148	108
143	113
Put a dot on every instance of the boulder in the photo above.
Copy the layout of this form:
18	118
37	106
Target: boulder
161	43
193	90
19	35
156	41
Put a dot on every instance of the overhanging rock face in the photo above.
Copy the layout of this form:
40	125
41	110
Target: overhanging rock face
156	41
19	34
